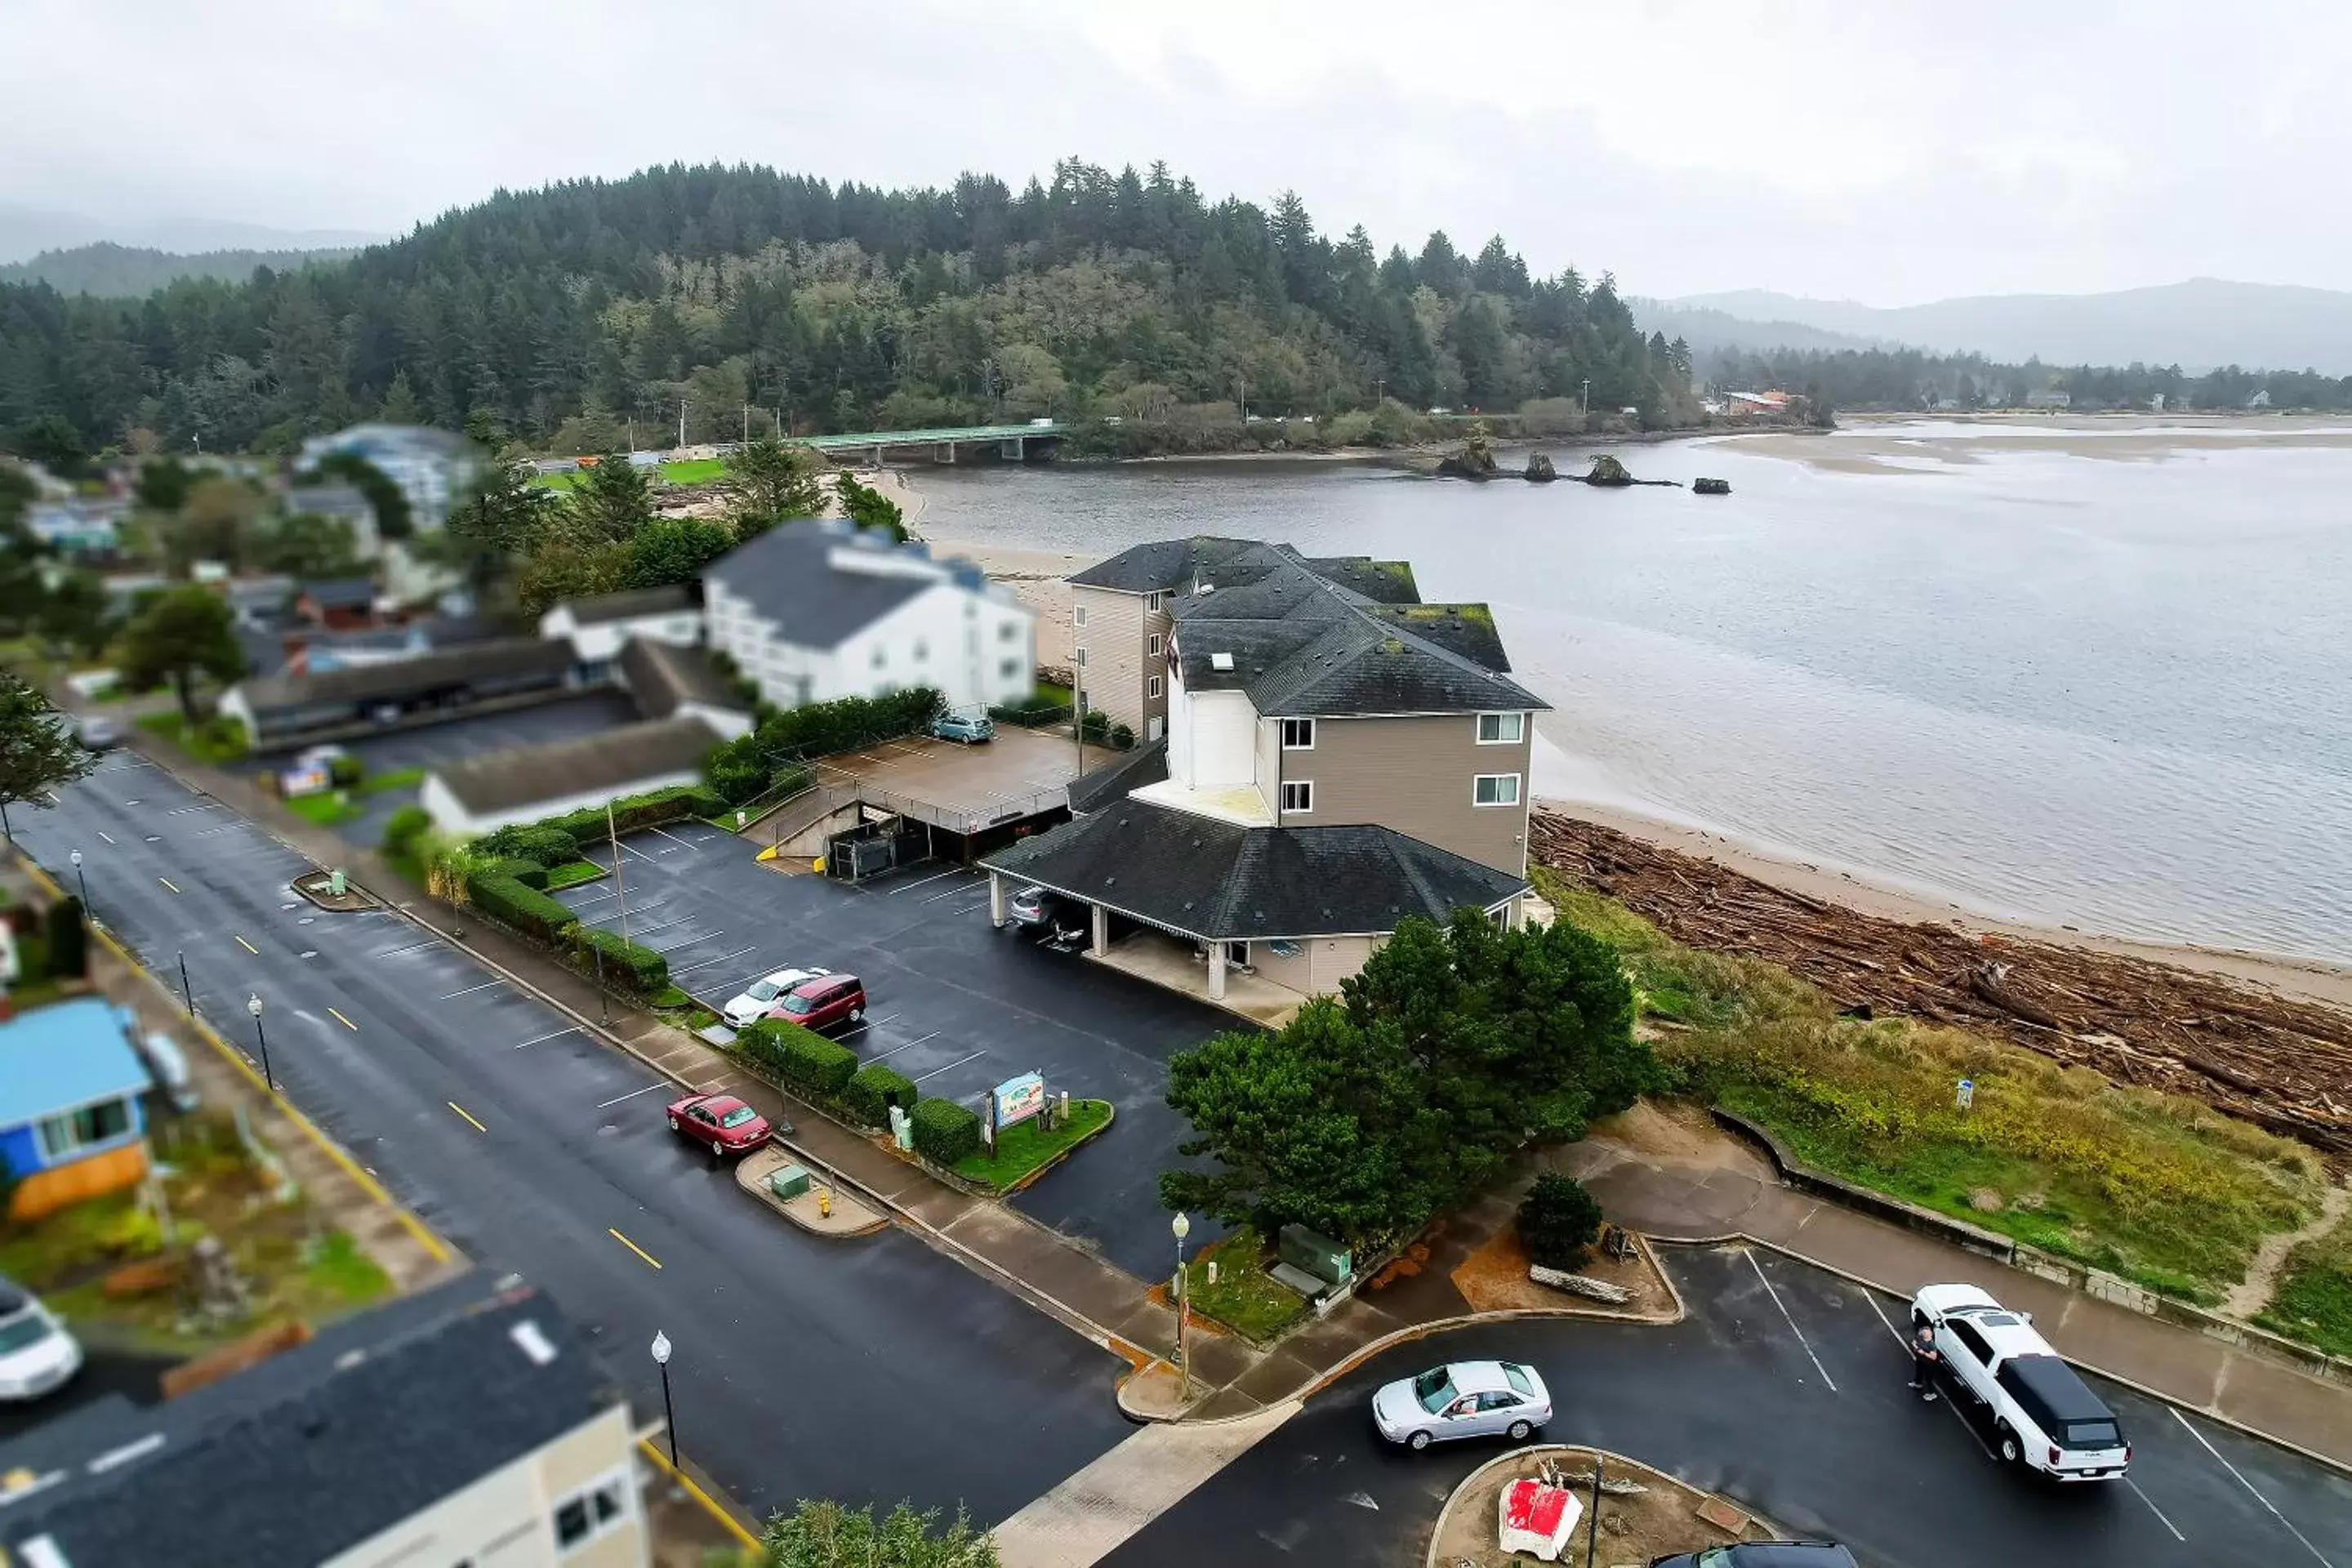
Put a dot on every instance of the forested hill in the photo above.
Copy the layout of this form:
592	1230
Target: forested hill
567	309
129	272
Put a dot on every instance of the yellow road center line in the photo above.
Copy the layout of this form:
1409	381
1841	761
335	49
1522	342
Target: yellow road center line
246	945
633	1246
467	1114
346	1022
169	883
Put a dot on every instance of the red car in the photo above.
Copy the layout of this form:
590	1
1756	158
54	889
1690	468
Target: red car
719	1122
828	999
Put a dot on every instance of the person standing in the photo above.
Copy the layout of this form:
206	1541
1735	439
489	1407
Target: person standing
1925	1358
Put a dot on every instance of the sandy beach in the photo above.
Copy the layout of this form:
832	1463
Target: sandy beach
1907	446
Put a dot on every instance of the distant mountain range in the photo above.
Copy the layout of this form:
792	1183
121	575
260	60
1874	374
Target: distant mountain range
2199	324
122	272
27	231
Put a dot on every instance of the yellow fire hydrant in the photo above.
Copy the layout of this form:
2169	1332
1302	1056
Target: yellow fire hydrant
824	1202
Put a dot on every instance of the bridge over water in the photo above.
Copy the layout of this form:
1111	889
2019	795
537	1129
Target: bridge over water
1014	442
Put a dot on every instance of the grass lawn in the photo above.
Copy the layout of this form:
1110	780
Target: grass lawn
398	778
324	809
572	873
696	472
1022	1148
2314	1300
1245	1298
1049	693
171	727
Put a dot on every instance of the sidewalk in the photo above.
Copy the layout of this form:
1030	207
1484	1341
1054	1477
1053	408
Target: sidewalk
1734	1193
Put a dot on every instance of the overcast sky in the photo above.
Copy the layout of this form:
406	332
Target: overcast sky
1891	153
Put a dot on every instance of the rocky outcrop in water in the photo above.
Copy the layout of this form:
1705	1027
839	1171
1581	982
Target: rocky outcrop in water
1540	468
1608	470
1710	487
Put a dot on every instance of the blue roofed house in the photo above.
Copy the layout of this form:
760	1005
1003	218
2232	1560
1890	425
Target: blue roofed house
71	1122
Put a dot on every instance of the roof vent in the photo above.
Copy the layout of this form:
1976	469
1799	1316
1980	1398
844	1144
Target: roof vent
533	1341
1204	589
1221	661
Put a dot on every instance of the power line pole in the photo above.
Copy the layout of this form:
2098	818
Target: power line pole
620	894
747	425
681	421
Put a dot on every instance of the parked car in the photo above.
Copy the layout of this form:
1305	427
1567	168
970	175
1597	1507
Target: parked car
1464	1399
969	728
97	732
168	1066
719	1122
1763	1554
1032	906
2044	1416
37	1355
829	999
761	995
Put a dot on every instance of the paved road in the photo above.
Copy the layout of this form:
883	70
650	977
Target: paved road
864	1369
957	1004
1795	1406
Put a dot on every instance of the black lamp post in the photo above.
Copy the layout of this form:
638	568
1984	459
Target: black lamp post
80	880
253	1006
669	1416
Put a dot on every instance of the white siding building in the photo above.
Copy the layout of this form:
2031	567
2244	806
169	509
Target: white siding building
597	628
812	612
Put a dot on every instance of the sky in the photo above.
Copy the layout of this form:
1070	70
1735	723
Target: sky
1890	152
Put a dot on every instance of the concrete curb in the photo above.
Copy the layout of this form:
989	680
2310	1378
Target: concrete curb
758	1189
1741	1239
1517	1457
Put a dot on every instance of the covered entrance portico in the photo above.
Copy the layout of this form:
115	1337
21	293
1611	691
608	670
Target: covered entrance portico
1200	970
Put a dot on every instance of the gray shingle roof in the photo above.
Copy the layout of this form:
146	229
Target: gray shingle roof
1163	566
1221	881
403	678
1112	781
606	760
324	591
669	600
786	577
661	674
293	1461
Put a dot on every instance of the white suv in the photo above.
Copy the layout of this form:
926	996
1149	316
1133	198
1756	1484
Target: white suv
757	999
2044	1417
37	1354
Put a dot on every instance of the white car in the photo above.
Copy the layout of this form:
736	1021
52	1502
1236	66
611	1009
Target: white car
1464	1399
37	1355
2044	1417
761	997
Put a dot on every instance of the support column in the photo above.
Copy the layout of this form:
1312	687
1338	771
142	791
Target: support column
1216	971
996	900
1101	931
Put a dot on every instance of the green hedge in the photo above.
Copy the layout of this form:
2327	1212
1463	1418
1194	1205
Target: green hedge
802	1061
740	769
401	829
533	841
527	910
639	969
872	1090
945	1131
530	873
637	811
1031	710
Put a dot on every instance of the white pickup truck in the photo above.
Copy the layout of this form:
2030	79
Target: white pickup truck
2044	1417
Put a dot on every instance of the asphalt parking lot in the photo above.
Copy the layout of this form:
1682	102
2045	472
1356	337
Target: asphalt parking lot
432	745
955	1005
1785	1391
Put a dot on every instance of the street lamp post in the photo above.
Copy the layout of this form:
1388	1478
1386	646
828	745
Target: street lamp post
669	1415
1182	1226
253	1006
80	880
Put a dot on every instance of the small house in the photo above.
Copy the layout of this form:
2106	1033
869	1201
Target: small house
337	604
71	1122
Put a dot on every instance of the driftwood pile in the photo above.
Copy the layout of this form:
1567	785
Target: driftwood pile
2281	1063
1579	1285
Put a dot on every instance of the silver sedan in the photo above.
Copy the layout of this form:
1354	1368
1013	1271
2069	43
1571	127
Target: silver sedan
1463	1399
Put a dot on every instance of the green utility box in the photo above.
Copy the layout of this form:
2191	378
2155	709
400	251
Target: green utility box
1317	1255
789	1181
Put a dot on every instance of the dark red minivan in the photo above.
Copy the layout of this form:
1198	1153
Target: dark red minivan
826	1000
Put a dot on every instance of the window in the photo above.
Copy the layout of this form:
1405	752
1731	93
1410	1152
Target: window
1151	686
1078	657
1007	630
1970	1340
1496	789
1010	668
1078	616
595	1510
1298	794
1518	1377
1151	645
1501	728
62	1135
1298	734
1153	602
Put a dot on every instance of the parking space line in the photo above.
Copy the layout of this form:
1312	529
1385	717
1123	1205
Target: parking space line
659	925
102	834
414	947
910	1044
684	941
169	883
2233	1470
648	861
950	893
469	990
970	909
592	898
673	837
551	1035
1872	1298
2158	1512
633	1246
631	1095
465	1113
1786	1317
246	945
346	1022
924	882
957	1063
707	962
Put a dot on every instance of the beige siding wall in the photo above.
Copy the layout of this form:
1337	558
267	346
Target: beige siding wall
1113	638
1321	964
1268	777
586	1452
1416	777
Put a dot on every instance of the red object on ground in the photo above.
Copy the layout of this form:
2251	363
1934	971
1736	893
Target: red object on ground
1536	1519
1536	1507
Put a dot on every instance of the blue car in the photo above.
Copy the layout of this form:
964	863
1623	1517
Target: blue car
970	728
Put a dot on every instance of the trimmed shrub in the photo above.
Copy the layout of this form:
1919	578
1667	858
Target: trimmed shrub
346	772
69	941
802	1061
1559	1221
527	910
534	841
764	1042
1123	736
873	1089
530	873
637	811
945	1131
634	968
402	828
1031	711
